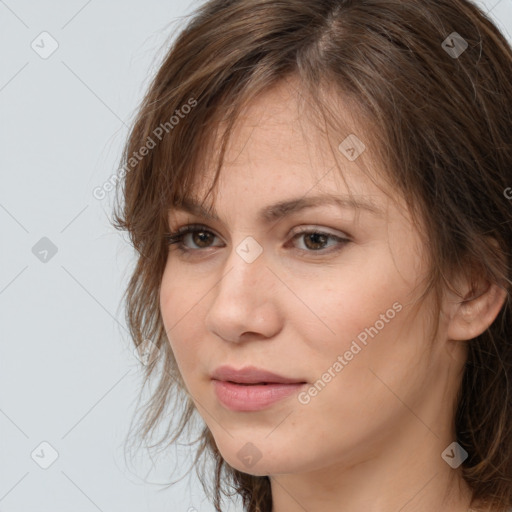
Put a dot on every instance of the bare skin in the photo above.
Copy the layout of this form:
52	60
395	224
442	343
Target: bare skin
371	439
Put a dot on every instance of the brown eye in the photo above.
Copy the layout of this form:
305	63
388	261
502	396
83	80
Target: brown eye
316	241
202	238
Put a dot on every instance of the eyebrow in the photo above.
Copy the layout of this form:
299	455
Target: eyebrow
282	209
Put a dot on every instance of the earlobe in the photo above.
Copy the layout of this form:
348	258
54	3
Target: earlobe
473	315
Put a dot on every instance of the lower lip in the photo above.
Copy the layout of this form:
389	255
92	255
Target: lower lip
240	397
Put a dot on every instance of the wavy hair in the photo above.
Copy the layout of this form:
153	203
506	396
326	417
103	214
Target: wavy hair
439	106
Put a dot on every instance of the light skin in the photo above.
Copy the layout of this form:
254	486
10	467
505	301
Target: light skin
371	440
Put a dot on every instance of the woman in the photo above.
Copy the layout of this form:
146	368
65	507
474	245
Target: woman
316	193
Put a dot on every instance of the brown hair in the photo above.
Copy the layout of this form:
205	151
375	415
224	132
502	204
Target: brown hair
441	129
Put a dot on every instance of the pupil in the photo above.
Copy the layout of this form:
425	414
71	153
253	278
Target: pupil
202	237
315	237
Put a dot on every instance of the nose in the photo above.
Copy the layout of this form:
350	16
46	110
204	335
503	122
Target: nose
245	301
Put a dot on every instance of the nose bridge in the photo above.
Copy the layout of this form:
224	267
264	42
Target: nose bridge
246	267
244	300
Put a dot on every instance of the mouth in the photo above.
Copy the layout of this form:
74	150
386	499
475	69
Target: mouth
263	383
252	389
251	376
250	384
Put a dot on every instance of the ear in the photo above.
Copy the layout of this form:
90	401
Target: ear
472	315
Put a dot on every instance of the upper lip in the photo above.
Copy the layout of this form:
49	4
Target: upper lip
250	375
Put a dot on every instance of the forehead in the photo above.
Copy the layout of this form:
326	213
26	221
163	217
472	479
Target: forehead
278	141
283	125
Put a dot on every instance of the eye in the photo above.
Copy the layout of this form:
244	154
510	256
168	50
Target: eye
314	240
201	236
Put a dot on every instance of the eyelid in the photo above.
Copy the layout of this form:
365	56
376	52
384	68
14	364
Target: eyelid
313	227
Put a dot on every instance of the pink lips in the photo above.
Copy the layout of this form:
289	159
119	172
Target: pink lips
251	389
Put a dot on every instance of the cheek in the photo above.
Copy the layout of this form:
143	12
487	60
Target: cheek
364	315
360	388
383	365
181	307
352	300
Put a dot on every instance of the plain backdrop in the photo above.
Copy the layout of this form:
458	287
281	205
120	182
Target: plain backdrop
71	77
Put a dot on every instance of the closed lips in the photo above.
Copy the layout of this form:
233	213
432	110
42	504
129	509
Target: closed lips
251	375
251	383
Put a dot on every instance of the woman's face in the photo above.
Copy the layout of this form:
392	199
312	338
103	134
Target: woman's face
335	316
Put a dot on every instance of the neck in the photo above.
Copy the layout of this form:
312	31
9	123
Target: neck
409	476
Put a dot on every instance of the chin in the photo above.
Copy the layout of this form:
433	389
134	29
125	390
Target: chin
259	469
247	460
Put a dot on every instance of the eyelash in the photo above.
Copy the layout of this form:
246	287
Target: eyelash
176	238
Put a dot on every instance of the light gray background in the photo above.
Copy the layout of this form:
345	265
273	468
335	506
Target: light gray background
67	372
